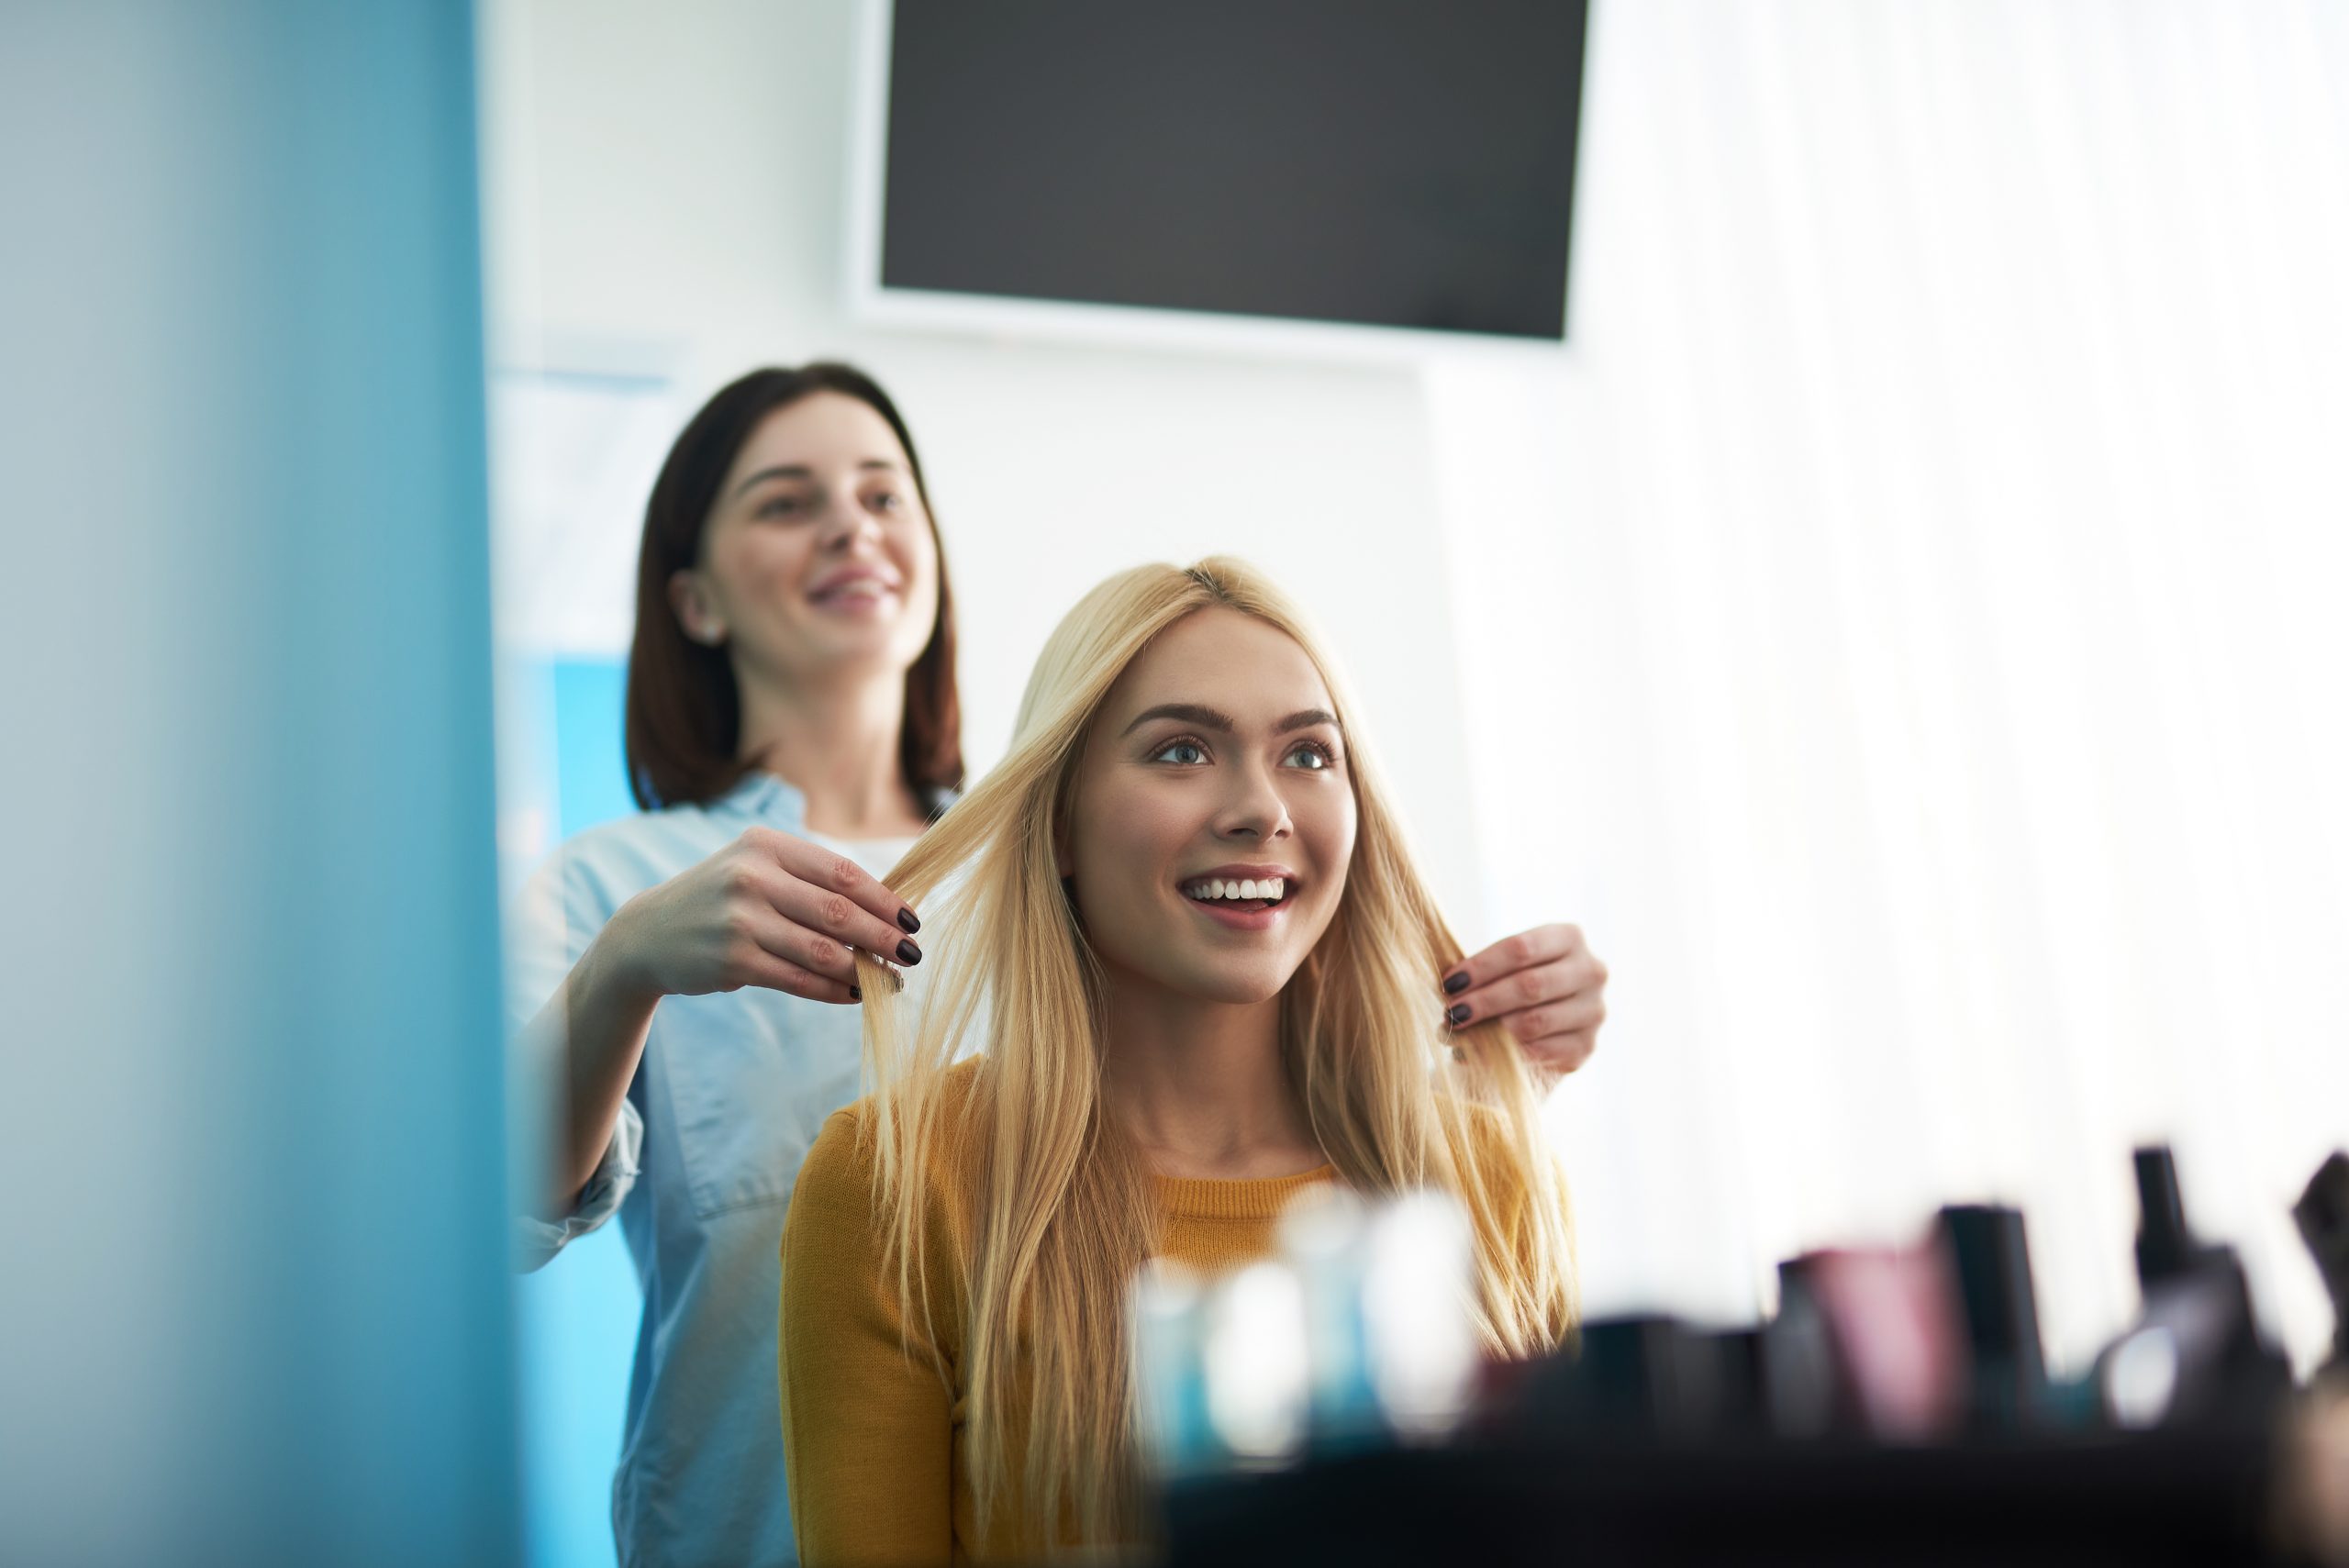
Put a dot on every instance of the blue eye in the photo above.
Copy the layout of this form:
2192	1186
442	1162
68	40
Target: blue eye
1317	756
1185	754
888	501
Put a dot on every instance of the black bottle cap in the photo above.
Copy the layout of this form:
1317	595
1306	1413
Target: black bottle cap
2165	1247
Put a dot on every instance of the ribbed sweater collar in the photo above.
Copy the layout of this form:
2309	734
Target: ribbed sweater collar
1197	1198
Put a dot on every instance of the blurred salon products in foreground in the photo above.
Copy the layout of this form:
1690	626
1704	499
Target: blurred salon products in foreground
1894	1409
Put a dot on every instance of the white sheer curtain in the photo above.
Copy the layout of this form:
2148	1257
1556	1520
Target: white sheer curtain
1909	626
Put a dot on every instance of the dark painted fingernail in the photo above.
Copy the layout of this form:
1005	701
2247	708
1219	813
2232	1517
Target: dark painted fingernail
1457	1012
856	993
908	953
906	923
1455	983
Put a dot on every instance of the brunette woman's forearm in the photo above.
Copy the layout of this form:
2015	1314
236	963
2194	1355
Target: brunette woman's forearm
590	1033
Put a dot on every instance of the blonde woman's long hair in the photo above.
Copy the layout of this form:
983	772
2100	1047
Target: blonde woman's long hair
1062	1208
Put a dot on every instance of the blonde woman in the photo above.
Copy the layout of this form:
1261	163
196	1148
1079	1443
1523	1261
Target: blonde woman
1196	956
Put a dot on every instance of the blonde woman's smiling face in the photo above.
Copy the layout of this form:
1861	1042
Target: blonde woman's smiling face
1214	817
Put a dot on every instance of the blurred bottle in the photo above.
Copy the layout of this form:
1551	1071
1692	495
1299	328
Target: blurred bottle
1166	1322
1990	1256
2195	1352
1255	1359
1647	1376
1419	1281
1360	1331
1325	1236
2322	1216
1897	1360
1801	1389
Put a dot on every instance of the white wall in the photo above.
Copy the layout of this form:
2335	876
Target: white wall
667	189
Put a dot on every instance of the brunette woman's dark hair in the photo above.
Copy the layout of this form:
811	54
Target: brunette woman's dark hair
683	729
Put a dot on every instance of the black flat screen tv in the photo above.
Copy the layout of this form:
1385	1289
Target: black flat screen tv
1406	165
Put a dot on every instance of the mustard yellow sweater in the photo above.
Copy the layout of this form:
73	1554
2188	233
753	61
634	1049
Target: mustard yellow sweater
872	1429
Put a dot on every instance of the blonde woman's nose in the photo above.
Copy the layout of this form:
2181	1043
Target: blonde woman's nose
1256	809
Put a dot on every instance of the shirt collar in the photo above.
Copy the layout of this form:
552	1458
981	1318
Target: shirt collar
764	799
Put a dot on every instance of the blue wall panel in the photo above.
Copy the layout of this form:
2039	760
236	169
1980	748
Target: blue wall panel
258	1306
579	1314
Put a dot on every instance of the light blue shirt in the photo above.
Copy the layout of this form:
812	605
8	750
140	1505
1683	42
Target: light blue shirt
731	1092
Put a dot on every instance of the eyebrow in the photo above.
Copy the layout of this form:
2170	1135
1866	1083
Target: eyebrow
801	470
1211	718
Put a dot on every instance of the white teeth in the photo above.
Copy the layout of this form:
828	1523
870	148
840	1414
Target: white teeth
1273	888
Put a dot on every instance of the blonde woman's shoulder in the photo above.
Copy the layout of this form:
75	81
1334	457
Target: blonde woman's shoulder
842	1173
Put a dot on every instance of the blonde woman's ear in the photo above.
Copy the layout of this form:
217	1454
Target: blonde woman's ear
690	599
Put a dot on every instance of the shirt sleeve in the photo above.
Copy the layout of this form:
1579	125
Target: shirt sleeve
537	1240
547	930
868	1428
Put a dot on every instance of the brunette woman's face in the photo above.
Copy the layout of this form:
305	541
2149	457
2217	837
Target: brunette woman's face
1214	817
819	559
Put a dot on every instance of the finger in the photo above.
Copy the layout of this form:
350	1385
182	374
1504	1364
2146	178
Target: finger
827	932
1542	944
835	872
1562	1052
1578	1014
1578	974
794	944
761	968
835	914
